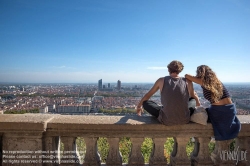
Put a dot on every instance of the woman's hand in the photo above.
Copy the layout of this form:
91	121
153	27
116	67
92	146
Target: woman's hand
188	76
197	99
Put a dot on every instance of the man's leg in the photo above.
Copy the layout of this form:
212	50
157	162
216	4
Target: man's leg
152	108
191	105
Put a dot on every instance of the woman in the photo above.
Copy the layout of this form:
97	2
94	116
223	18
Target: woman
222	112
175	98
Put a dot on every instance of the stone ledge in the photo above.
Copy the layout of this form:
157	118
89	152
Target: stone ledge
129	125
81	125
24	122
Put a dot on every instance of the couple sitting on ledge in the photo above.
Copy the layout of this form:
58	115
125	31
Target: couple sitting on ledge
179	100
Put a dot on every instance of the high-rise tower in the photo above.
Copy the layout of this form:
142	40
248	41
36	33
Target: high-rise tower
100	84
119	85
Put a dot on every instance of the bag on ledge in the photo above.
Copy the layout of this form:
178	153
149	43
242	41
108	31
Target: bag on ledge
199	116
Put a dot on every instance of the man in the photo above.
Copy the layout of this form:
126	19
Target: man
175	97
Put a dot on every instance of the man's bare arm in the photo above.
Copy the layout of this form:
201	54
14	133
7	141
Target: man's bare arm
192	93
147	96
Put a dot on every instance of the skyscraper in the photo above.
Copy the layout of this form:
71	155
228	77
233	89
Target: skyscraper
119	85
100	84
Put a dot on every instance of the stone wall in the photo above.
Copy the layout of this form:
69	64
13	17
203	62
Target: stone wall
34	137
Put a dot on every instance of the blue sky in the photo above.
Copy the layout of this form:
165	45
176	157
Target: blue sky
82	41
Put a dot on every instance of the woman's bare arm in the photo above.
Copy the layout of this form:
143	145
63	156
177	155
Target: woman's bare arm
193	79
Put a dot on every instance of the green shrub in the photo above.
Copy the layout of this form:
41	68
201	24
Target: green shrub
103	148
168	148
125	148
146	148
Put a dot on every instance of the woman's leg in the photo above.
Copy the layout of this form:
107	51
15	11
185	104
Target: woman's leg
208	118
152	107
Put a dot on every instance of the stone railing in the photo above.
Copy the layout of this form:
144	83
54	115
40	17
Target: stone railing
29	139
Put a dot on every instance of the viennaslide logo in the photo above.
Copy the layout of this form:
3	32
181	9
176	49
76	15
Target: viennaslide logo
235	155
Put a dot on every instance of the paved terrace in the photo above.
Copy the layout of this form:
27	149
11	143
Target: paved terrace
33	135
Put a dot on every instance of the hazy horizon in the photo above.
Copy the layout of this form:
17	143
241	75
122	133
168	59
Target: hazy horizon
103	83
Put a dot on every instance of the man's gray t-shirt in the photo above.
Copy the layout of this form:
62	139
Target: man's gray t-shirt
174	98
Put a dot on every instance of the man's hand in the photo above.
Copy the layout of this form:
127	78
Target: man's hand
139	110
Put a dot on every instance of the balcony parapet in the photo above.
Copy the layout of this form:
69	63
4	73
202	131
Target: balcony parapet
40	134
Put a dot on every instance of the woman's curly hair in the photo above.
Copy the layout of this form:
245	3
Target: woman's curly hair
210	82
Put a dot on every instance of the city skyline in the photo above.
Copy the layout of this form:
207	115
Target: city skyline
133	41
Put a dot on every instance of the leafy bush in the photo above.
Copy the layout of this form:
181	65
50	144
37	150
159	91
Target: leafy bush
146	148
125	147
103	148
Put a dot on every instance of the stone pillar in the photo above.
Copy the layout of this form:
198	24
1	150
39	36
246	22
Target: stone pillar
52	146
21	148
179	155
242	147
220	154
157	157
1	145
69	156
114	156
200	154
92	158
135	156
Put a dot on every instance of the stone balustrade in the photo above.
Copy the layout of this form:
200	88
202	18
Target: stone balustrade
34	137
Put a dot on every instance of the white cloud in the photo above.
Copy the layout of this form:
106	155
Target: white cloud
157	68
62	67
58	67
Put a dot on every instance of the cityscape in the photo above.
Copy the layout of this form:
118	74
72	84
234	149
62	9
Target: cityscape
95	98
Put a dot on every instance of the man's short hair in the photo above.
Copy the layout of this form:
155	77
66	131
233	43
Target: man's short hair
175	67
